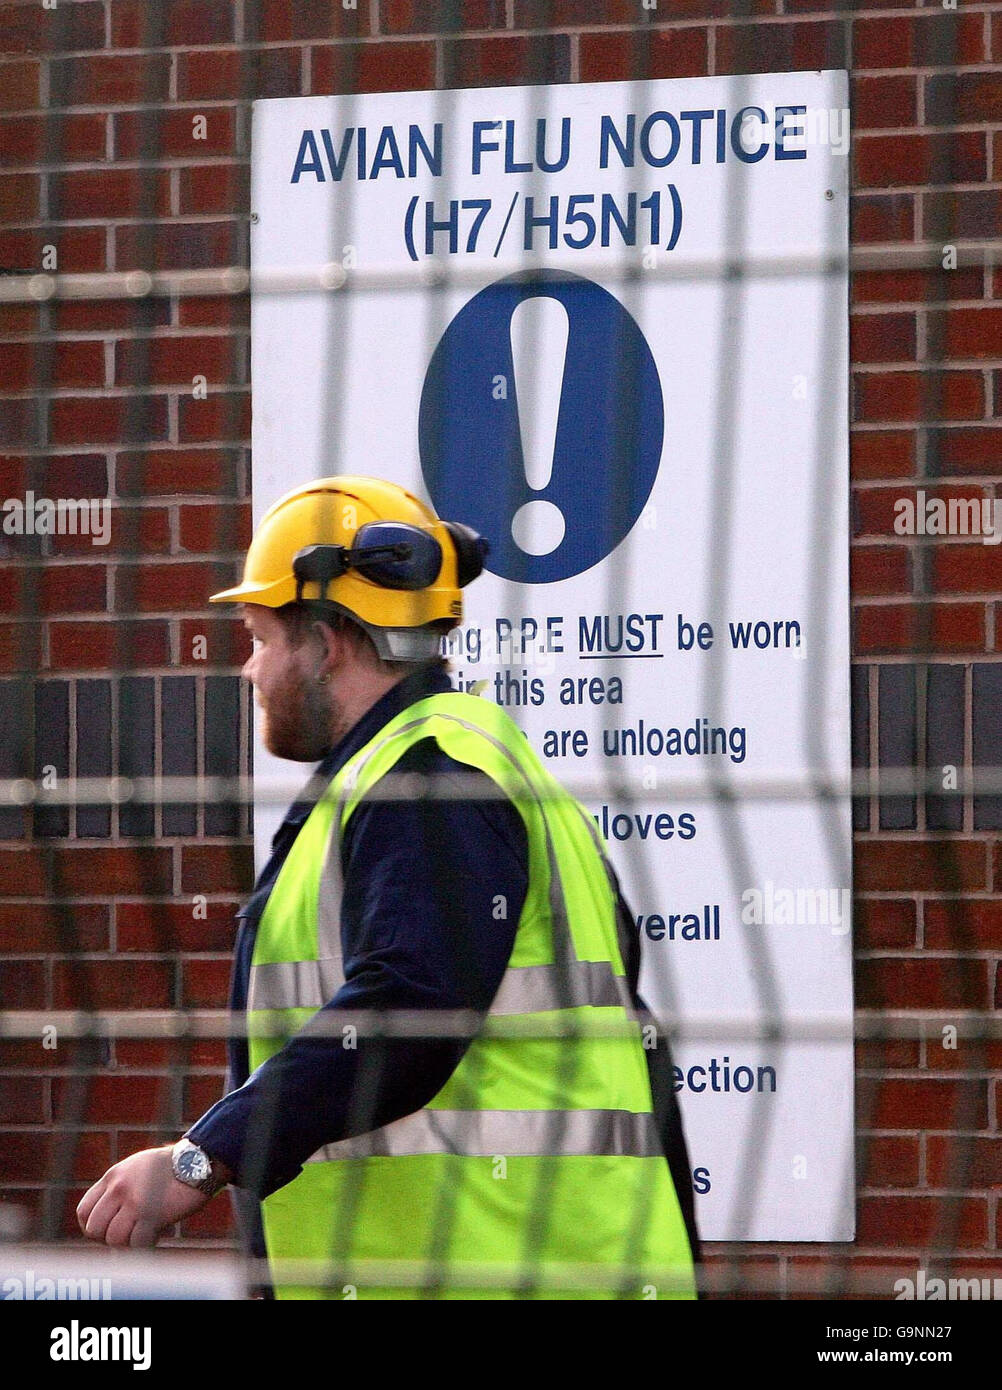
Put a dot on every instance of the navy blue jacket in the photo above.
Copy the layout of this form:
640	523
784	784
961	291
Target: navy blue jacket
420	929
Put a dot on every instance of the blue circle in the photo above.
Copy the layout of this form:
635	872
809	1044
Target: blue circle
610	426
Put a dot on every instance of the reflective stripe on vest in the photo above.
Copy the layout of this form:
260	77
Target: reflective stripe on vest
524	989
483	1133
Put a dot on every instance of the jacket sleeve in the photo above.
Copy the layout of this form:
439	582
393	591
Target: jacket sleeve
433	891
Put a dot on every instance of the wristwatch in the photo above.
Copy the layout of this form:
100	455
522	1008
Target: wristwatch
193	1166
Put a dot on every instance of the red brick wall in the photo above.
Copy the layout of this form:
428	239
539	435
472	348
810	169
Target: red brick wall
97	401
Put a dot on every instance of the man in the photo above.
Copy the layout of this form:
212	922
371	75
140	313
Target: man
444	1090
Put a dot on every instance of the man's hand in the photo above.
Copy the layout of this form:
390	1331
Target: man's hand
136	1200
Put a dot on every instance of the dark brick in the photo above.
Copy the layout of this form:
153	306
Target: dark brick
781	47
136	742
860	740
222	748
945	741
93	751
963	98
52	751
179	750
495	61
986	698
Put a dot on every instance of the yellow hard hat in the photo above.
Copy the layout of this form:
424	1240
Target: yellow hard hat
370	549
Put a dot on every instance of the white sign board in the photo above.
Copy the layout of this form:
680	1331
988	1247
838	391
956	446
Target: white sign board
630	374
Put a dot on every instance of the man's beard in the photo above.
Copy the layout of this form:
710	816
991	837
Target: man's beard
298	721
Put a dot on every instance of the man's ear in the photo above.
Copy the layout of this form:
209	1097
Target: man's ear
330	643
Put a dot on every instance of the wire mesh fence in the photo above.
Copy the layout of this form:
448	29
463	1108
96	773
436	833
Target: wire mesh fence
113	735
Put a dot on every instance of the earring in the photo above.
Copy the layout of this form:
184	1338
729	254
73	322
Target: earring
324	679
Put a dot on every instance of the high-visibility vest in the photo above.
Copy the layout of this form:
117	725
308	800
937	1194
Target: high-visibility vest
537	1170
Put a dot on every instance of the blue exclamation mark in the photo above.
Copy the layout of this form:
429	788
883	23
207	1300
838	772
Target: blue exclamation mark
539	330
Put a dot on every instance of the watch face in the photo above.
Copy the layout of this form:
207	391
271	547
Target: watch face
193	1166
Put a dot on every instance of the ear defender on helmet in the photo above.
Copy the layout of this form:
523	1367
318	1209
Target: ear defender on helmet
395	555
471	552
392	554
